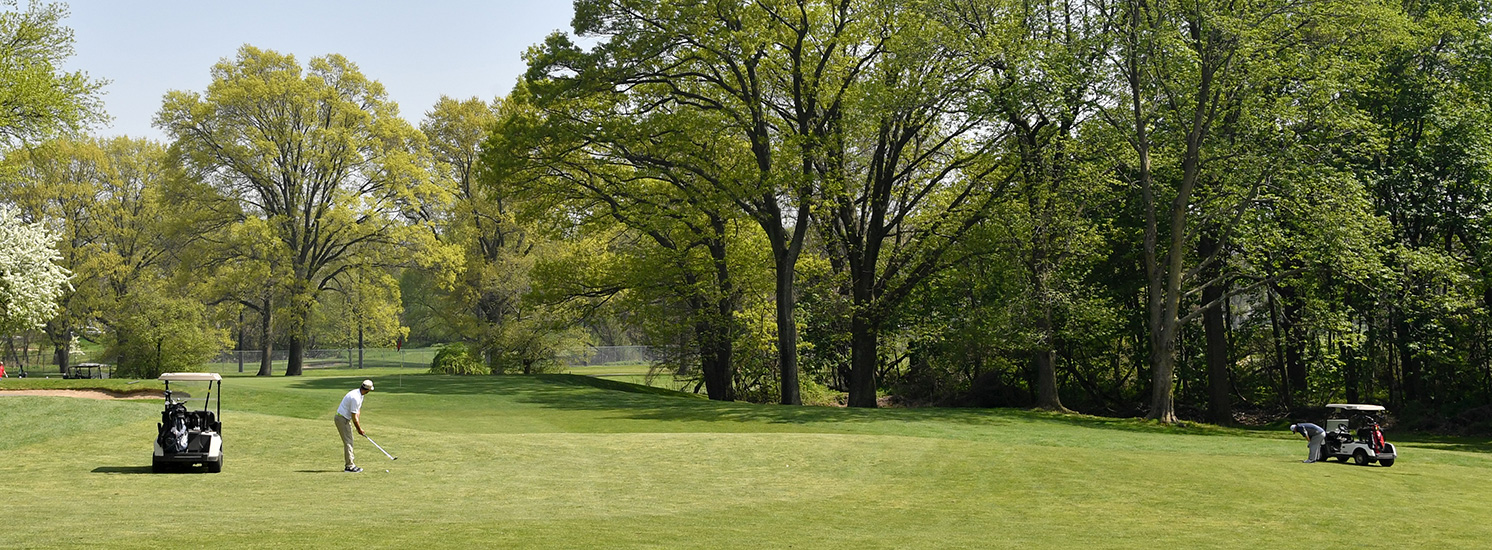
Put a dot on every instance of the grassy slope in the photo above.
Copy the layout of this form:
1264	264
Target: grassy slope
565	461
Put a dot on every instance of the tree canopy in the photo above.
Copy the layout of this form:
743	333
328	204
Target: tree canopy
1177	211
317	160
38	100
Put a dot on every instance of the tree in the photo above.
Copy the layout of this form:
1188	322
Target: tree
31	280
490	243
320	156
104	196
1184	71
908	171
651	173
1043	69
239	262
167	333
37	100
365	309
774	74
57	183
1427	172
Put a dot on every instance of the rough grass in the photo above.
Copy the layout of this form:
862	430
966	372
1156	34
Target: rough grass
116	385
566	461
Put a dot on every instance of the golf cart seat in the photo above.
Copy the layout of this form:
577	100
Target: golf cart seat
203	421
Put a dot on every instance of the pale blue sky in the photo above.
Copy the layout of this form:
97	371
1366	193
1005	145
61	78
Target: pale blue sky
419	50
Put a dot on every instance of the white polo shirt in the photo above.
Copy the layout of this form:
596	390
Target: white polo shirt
351	403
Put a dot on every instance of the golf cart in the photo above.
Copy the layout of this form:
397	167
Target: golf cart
1352	431
88	370
185	437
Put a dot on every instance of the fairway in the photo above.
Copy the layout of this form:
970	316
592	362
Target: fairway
567	461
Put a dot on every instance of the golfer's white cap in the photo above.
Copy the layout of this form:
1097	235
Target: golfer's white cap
368	385
1293	427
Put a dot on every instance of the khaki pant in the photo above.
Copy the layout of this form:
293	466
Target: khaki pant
1315	446
344	427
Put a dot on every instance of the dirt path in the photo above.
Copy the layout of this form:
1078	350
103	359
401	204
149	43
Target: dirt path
87	394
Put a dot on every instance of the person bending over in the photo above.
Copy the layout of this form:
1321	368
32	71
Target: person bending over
1316	437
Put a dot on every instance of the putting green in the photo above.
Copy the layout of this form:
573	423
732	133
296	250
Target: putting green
565	462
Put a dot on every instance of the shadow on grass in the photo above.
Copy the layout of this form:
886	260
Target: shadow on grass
638	402
1445	443
633	401
318	471
122	470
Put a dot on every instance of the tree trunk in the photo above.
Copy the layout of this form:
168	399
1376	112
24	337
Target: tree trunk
297	354
10	351
1279	354
360	345
715	360
1163	365
787	329
1408	363
1350	366
1215	329
239	346
266	341
1295	367
864	347
121	341
62	352
716	337
1047	396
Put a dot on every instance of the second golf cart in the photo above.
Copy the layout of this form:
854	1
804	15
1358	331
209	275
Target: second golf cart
1353	431
186	438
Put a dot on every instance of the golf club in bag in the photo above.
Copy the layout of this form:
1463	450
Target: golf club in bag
375	444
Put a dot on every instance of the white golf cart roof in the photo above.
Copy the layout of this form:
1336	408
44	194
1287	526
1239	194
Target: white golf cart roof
191	377
1354	407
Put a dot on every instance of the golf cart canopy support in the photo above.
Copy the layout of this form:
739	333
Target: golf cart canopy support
193	377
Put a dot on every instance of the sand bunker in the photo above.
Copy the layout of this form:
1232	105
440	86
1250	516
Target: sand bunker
88	394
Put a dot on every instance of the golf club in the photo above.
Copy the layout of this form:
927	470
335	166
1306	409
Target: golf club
375	444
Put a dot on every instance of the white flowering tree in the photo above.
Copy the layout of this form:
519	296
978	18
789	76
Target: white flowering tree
30	278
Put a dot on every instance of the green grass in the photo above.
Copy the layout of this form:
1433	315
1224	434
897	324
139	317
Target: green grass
411	359
632	373
564	461
113	385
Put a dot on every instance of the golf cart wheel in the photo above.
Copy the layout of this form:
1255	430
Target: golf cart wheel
158	467
215	466
1360	457
1386	462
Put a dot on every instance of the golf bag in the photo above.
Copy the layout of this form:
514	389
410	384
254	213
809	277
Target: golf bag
173	428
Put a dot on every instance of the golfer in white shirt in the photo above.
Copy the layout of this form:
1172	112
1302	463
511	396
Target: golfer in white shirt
348	412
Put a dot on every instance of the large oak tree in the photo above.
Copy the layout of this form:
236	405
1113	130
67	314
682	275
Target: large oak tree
319	156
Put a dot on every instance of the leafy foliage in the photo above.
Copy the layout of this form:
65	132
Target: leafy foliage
315	163
31	280
41	101
457	359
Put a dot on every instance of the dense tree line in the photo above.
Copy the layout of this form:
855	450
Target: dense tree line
1182	210
1162	208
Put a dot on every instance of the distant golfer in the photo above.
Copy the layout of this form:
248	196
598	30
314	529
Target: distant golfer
348	412
1312	433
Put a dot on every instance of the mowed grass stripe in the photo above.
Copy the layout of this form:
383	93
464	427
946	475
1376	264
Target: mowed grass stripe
749	477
